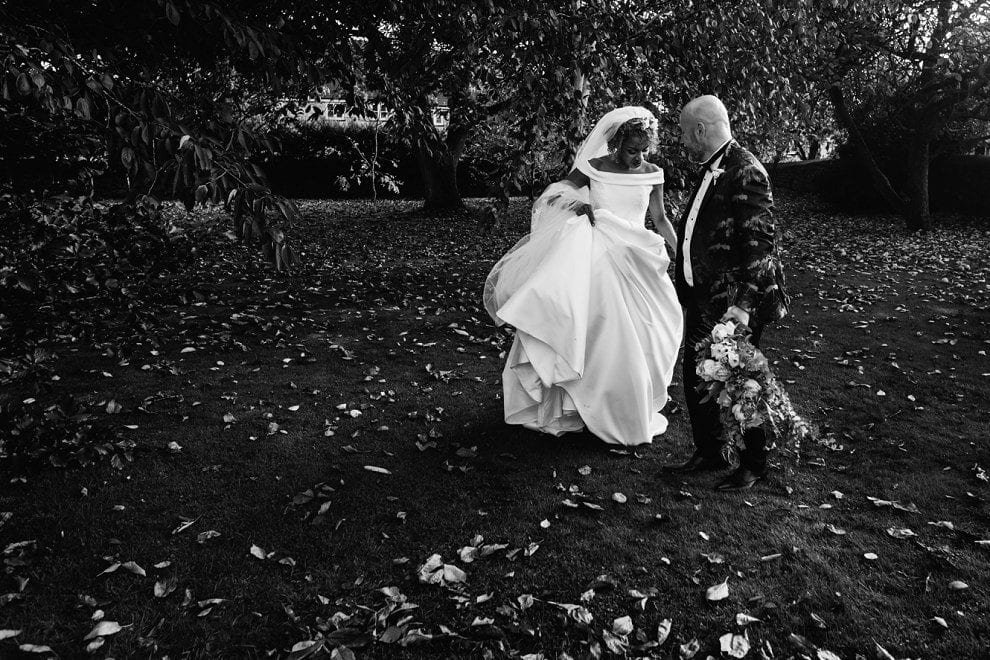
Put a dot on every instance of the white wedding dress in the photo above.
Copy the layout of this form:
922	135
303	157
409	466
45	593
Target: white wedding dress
598	324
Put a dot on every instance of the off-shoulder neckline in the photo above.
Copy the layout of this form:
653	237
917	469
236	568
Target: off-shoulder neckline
628	179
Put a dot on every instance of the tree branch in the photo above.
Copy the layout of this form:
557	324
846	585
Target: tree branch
880	180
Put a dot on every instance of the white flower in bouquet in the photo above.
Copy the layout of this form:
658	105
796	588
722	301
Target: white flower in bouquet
723	330
712	370
751	387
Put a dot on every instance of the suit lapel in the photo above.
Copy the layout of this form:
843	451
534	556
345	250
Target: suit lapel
704	201
714	182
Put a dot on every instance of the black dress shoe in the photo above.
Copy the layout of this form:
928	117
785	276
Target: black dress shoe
699	463
740	479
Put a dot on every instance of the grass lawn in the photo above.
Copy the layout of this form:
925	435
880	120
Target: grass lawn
254	524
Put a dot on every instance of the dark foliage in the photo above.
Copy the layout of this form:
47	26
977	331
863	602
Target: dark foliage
73	270
77	268
843	183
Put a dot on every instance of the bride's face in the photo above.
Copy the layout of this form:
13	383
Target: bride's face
633	151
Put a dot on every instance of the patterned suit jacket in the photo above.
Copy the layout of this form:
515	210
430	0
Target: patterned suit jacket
734	254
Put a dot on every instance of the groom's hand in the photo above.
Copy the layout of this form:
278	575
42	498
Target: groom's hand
737	314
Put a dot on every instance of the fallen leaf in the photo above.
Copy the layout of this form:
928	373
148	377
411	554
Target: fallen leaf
719	591
103	629
615	644
375	468
663	631
689	650
577	612
164	587
622	626
133	568
209	534
713	557
900	532
743	619
258	552
735	646
35	648
883	653
305	649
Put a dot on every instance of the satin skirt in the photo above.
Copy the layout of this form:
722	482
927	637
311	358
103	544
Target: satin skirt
598	328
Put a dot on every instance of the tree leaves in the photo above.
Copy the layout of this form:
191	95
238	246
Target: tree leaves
172	13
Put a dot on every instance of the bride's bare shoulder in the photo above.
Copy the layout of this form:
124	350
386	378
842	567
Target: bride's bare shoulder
649	167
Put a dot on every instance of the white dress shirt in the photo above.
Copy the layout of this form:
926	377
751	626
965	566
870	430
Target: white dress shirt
692	216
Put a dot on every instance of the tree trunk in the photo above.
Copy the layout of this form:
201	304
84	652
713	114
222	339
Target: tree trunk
814	148
439	172
918	213
374	160
579	90
879	179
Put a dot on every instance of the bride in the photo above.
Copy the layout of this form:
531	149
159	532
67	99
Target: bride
597	321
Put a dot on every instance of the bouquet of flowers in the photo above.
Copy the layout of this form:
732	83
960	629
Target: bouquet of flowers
737	375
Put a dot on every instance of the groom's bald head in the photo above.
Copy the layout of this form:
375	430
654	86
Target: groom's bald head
708	109
704	126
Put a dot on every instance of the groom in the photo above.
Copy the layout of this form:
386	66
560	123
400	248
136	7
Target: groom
727	267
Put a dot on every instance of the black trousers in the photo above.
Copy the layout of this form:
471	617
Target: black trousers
705	425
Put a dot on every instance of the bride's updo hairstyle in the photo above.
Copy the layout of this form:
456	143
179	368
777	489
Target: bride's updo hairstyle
634	128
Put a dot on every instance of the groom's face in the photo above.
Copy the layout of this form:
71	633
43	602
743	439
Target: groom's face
692	133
